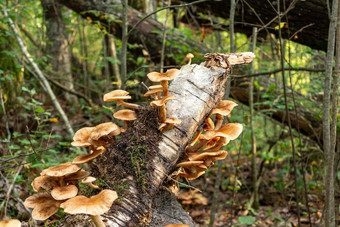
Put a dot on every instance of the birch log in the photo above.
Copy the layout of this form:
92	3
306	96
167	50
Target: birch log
197	89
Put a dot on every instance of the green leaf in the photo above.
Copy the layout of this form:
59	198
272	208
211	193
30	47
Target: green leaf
278	218
281	26
246	220
39	109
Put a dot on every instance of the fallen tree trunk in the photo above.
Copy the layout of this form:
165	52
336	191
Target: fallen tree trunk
108	14
307	22
137	164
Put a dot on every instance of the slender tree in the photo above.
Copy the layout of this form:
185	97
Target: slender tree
226	96
327	140
253	138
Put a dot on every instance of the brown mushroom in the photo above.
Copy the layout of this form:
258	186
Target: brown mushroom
87	158
192	169
104	134
89	182
60	170
119	96
80	138
155	91
168	124
64	192
209	157
93	206
77	175
43	204
162	103
228	131
223	108
163	78
10	223
189	56
44	182
126	116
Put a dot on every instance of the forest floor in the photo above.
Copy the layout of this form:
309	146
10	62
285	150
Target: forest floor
277	199
277	207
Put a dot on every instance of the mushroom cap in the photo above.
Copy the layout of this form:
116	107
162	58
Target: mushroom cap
10	223
116	95
169	123
104	129
154	91
46	210
125	115
162	101
191	176
64	192
224	107
36	199
168	75
172	121
88	179
229	131
189	55
81	159
157	86
80	138
60	170
44	182
218	155
77	175
95	205
189	164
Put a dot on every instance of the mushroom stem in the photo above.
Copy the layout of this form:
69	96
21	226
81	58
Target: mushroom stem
165	85
217	146
162	113
97	221
93	186
197	146
189	61
194	140
127	124
219	121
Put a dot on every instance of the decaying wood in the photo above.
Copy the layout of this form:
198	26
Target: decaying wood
197	89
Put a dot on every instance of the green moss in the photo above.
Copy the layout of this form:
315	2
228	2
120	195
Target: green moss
137	157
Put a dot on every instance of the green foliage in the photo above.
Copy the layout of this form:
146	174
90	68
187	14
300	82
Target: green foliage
245	221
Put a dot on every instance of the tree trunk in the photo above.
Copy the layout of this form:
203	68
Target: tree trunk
149	7
329	151
57	45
